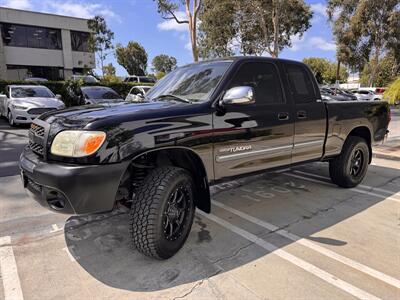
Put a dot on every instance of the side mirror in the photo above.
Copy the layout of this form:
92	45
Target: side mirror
240	95
58	96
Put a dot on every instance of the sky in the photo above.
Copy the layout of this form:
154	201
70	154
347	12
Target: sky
138	20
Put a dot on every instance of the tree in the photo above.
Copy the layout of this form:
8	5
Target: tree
392	94
217	28
387	71
364	30
168	10
163	63
257	26
109	70
133	58
325	69
100	40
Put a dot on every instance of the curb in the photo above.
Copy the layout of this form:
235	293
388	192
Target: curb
386	156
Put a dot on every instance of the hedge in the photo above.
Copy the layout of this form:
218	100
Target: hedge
63	87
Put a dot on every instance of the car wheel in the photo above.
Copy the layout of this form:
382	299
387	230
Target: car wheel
162	212
349	168
10	119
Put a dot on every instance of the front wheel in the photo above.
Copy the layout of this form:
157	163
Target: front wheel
349	168
162	212
10	119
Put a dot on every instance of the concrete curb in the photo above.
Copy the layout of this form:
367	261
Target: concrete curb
386	156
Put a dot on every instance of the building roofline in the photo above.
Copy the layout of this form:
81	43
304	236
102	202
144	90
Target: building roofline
42	13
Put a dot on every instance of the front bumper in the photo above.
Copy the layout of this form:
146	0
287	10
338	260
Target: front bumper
71	189
22	116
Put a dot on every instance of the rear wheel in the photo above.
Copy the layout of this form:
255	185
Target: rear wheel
162	212
349	168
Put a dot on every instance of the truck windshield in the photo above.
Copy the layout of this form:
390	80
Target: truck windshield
30	92
194	82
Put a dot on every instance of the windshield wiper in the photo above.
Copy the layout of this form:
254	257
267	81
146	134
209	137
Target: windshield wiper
173	97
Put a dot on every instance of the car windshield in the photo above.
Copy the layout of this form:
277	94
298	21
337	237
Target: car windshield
194	82
30	92
100	93
146	79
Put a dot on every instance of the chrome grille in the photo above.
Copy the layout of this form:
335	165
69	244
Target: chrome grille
38	149
37	130
38	111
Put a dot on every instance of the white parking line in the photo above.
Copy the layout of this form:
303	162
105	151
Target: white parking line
8	164
352	189
390	193
347	261
9	272
343	285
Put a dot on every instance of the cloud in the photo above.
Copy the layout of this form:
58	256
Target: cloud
321	44
319	8
311	43
17	4
172	24
80	9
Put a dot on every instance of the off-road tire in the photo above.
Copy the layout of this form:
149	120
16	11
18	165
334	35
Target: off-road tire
340	167
148	212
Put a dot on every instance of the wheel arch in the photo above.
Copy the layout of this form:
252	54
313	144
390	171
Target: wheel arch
184	158
365	133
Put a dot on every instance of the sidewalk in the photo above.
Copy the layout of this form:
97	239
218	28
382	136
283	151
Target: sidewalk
389	150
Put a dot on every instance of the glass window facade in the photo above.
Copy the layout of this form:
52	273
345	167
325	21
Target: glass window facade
80	41
23	72
30	36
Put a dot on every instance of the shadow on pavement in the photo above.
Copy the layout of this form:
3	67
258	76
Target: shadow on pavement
101	243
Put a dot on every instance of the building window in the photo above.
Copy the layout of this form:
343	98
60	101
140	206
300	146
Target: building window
80	41
15	72
30	36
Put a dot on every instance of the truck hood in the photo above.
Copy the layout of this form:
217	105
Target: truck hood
113	113
38	102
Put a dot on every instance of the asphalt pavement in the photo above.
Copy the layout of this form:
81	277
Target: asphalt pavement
290	234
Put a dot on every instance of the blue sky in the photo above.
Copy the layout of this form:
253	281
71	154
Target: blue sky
139	21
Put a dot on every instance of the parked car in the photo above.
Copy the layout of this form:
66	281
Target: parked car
140	79
378	91
326	91
137	93
35	79
99	95
344	93
365	95
85	78
21	104
204	123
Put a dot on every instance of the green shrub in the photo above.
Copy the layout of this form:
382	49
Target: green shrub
65	88
392	93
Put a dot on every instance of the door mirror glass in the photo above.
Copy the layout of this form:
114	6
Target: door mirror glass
240	95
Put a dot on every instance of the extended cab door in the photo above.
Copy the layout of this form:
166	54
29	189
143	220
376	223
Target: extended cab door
309	113
255	136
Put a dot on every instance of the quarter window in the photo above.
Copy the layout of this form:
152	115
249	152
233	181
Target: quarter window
30	36
300	84
263	78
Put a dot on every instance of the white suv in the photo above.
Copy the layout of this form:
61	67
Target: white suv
140	79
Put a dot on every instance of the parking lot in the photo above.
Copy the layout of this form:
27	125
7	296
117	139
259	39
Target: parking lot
289	234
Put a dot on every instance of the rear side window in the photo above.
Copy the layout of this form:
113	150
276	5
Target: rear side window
263	78
300	84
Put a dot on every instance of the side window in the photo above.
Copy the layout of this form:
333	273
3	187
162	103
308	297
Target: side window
300	84
135	91
264	78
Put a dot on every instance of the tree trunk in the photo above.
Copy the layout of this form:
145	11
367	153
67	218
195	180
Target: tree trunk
275	21
192	17
375	67
338	70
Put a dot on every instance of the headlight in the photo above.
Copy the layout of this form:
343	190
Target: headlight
19	107
77	143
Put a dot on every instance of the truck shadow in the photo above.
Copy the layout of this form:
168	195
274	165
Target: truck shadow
101	243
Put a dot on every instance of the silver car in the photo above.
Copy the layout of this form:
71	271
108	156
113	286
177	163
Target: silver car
365	95
23	103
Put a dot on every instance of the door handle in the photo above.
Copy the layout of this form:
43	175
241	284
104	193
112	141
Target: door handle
283	116
301	114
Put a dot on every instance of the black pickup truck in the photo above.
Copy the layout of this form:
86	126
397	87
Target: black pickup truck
202	123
